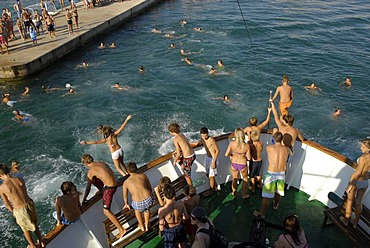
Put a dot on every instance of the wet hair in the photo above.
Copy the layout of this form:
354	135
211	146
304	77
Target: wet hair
163	182
255	135
67	188
366	142
239	136
4	170
200	214
253	121
289	119
203	130
225	96
285	79
169	191
87	159
189	190
174	128
131	167
278	137
292	227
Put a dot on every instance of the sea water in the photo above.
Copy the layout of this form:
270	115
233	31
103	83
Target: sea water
310	41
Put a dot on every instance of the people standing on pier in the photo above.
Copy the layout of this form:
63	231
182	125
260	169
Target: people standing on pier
184	154
69	17
274	181
13	191
3	39
211	158
18	8
101	174
239	152
33	35
139	186
111	139
75	14
21	29
49	23
171	217
38	20
358	184
62	5
68	206
286	96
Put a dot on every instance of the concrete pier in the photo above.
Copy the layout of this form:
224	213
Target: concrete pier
25	59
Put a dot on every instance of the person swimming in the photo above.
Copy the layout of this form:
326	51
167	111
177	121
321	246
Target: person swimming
141	69
187	60
183	23
198	29
7	101
336	113
220	64
172	45
119	87
112	45
312	87
101	46
212	71
84	64
156	31
20	117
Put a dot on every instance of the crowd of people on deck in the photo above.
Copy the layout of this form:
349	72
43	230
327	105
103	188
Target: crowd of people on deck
182	220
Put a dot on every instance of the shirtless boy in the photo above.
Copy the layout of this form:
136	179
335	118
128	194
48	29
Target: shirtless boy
184	154
210	160
254	124
170	219
68	205
256	147
285	126
274	181
101	174
286	96
13	191
141	193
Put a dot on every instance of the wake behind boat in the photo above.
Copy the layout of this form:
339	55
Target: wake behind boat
312	169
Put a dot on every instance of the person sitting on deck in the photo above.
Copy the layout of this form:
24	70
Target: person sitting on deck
68	207
293	235
141	193
159	189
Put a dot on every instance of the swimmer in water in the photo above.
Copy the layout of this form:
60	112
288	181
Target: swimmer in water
187	60
347	83
113	45
183	23
336	113
101	46
313	88
26	91
84	64
212	71
172	45
182	52
20	117
156	31
7	101
110	137
70	92
226	98
141	69
119	87
198	29
220	64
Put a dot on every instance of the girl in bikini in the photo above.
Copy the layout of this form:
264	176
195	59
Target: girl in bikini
239	153
110	138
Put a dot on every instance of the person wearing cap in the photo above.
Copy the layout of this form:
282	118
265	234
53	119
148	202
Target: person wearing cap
170	219
198	217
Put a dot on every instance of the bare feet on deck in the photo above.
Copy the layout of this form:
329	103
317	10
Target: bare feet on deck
141	228
147	228
121	233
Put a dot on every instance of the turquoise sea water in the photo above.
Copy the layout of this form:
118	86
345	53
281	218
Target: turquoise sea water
321	41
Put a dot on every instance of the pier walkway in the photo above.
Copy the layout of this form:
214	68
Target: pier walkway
25	59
